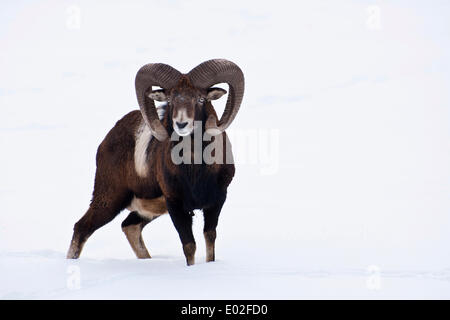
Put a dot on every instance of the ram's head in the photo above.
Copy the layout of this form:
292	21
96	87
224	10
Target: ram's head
187	93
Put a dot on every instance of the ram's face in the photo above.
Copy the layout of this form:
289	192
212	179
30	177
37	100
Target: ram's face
184	104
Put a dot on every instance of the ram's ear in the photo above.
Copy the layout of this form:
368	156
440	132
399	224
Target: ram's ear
158	95
215	93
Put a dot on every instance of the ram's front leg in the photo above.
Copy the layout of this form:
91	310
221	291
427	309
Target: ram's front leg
182	221
211	217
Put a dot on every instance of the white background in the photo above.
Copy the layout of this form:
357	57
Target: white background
355	203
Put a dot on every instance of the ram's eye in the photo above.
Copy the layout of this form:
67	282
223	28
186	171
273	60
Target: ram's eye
201	100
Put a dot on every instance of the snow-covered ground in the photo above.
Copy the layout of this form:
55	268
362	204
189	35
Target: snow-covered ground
342	187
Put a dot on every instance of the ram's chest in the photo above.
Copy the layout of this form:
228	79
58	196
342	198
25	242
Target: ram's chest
196	187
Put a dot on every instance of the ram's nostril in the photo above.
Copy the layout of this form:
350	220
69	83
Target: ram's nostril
181	125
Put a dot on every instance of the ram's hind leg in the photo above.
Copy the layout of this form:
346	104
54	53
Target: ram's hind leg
149	210
105	206
86	226
132	226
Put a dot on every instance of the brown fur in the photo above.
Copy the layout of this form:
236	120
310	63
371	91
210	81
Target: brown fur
210	238
176	188
134	237
155	206
189	252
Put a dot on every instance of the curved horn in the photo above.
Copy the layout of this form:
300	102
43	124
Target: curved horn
154	74
216	71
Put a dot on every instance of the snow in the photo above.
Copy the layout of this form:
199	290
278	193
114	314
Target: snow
343	177
47	275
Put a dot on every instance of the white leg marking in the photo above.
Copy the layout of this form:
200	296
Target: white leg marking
134	236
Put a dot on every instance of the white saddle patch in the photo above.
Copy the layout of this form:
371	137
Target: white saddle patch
143	137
